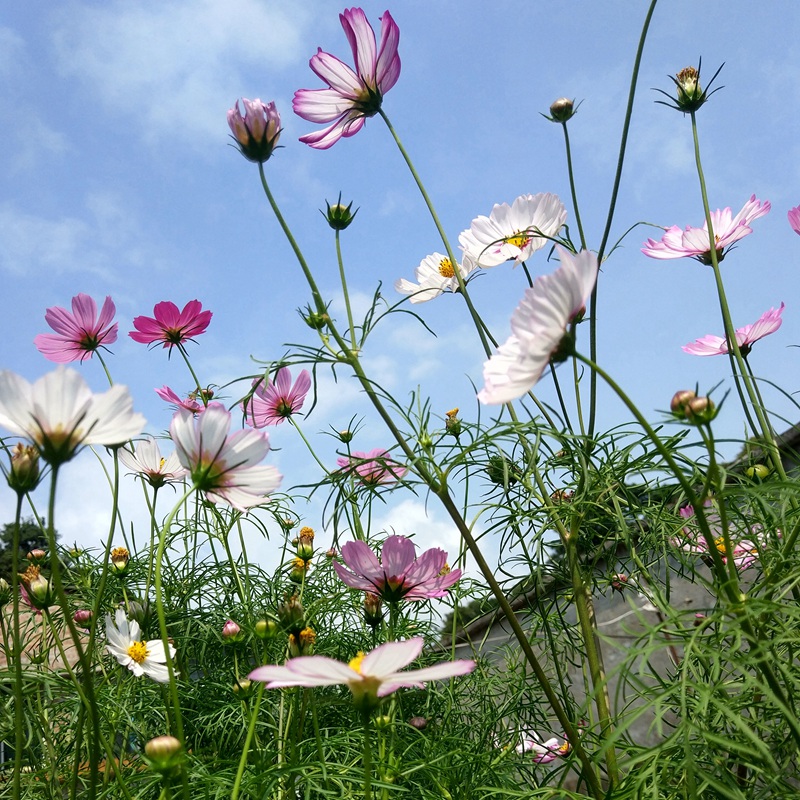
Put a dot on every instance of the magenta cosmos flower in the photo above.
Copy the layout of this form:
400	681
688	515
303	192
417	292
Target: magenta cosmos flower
77	334
223	465
515	232
794	218
373	468
539	328
694	242
369	677
351	96
272	403
170	326
399	575
746	337
256	132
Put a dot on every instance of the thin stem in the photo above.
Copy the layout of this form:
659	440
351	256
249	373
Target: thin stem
247	743
200	393
367	758
19	738
344	292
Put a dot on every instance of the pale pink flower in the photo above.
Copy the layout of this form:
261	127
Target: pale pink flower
60	414
256	132
148	462
435	274
794	218
369	677
169	326
544	752
272	403
539	327
224	465
77	334
190	403
399	575
373	468
351	96
515	232
745	550
746	337
694	242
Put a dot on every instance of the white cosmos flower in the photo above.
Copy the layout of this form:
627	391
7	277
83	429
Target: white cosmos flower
148	462
60	414
538	327
225	467
514	232
141	658
435	274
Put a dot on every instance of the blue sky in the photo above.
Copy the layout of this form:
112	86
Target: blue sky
118	179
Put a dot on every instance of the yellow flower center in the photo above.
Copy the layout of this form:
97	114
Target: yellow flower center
519	239
355	663
446	268
452	413
138	651
161	464
445	570
719	543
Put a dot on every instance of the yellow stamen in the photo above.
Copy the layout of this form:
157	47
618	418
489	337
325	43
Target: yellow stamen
445	570
519	239
355	663
446	268
451	413
138	651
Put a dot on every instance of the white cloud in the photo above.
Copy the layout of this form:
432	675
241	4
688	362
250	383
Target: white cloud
178	66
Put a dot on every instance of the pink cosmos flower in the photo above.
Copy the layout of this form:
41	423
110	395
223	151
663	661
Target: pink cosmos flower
745	550
190	403
399	575
351	96
369	677
515	232
256	132
170	326
374	467
223	465
544	752
539	327
77	334
746	337
693	242
272	403
794	218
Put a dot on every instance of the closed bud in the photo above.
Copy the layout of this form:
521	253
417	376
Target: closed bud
383	721
75	551
305	543
5	592
315	320
562	109
420	723
679	400
119	560
757	472
266	628
452	424
618	582
37	555
242	687
138	610
82	616
346	436
231	632
297	573
373	610
291	613
256	132
164	754
700	410
501	471
23	476
339	216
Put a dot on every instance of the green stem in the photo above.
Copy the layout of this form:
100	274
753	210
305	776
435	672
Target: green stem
237	784
200	393
345	293
19	735
105	368
367	758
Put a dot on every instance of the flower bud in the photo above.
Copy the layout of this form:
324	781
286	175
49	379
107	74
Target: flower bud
339	217
256	132
562	110
242	687
305	543
137	610
164	754
678	403
300	566
689	91
119	560
232	632
315	320
37	587
37	555
266	628
501	471
82	616
757	472
23	476
452	424
420	723
700	410
383	721
291	613
373	610
75	551
699	619
618	582
5	592
331	552
346	436
302	644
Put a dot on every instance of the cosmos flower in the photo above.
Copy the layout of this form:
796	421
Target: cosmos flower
794	218
256	132
272	403
435	274
373	468
369	677
224	465
351	96
746	337
694	243
169	326
77	334
399	575
190	403
539	327
515	232
544	752
141	658
147	462
60	414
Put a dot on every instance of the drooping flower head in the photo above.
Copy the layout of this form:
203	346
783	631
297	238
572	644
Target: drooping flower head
399	575
539	328
148	462
351	96
794	219
256	132
169	326
369	677
435	274
224	465
515	232
746	337
543	752
60	414
694	242
272	403
190	403
140	657
79	333
373	468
